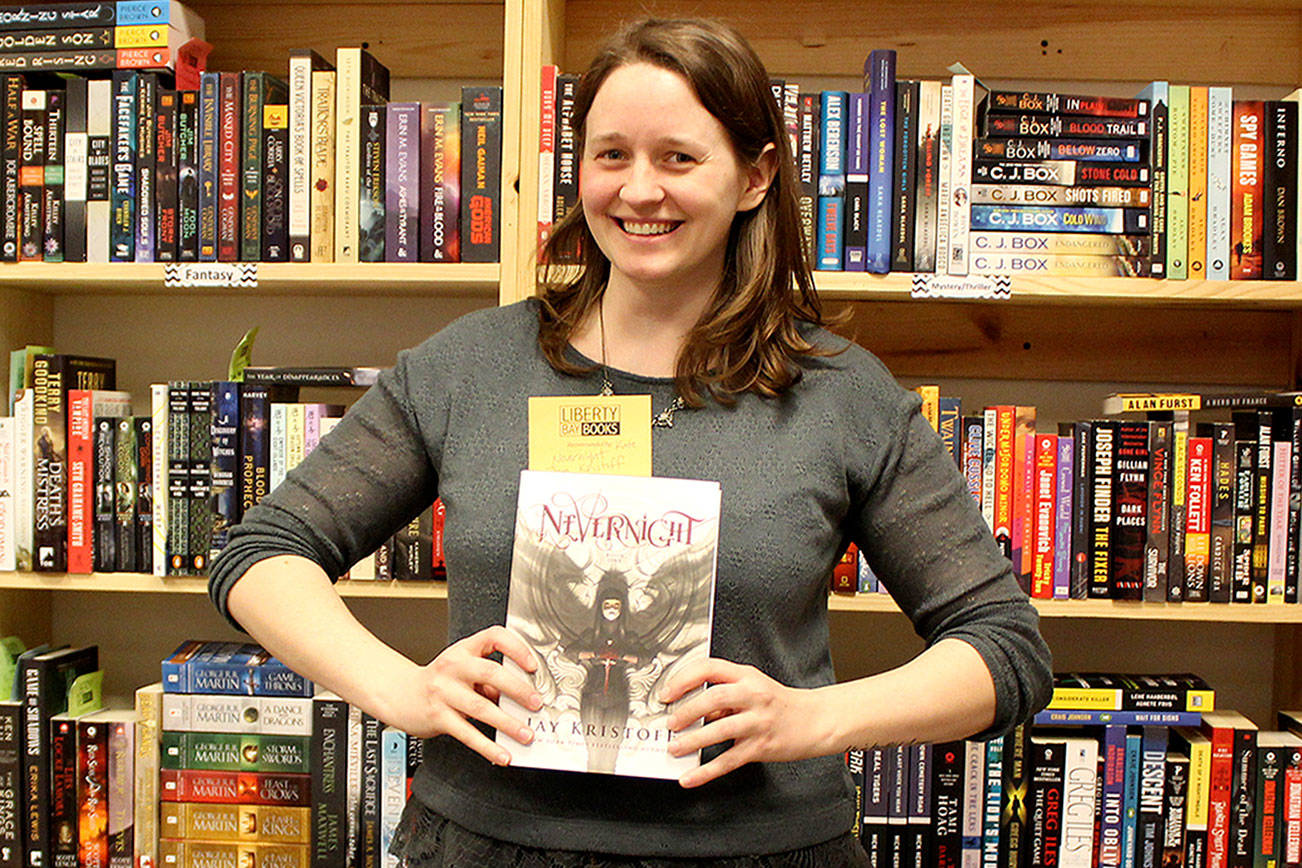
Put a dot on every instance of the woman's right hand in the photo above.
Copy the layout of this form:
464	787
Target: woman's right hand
463	684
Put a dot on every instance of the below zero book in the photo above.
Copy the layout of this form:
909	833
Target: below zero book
612	586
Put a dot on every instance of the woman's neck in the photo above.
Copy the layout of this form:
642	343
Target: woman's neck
634	332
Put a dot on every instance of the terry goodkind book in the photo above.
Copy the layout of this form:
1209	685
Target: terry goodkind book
612	586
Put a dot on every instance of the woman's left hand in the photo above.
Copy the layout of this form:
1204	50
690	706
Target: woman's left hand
766	721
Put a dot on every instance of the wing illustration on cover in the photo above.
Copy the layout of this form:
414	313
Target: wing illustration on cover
605	639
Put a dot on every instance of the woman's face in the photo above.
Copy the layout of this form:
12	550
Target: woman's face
660	182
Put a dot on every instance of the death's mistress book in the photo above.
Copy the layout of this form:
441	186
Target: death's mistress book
612	585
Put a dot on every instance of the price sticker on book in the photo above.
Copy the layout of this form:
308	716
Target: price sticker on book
591	434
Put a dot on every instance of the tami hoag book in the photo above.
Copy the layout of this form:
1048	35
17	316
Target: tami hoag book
612	585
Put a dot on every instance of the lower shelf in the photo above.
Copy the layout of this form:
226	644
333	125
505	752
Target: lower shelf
136	583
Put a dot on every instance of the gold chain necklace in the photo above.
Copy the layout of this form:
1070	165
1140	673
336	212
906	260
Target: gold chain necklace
663	419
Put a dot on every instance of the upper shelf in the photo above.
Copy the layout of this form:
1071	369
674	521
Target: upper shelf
868	603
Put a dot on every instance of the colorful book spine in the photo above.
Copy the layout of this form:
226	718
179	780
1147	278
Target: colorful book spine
1220	126
1198	120
546	151
31	177
1246	205
440	237
831	183
167	182
229	155
481	170
402	180
879	84
146	167
206	162
124	191
928	178
1177	183
370	178
275	245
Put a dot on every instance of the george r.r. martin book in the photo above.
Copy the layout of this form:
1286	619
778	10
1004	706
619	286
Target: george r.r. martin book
612	586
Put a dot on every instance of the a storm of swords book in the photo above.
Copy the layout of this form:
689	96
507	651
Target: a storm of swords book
612	586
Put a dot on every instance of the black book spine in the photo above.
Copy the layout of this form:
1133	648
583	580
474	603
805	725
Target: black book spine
199	537
1262	488
187	173
10	161
1157	542
1245	481
48	16
904	186
275	183
1175	793
1158	164
146	167
1130	501
165	177
126	489
104	538
808	172
1220	573
481	174
52	220
70	39
1016	775
329	763
370	207
63	792
1151	808
1243	796
144	467
31	176
123	198
1279	230
565	183
178	477
11	844
1103	439
1082	495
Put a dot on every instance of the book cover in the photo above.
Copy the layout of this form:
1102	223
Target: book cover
360	80
1280	191
322	167
229	157
481	174
166	178
206	160
275	196
370	201
1220	125
402	182
1177	183
440	184
302	63
187	175
904	183
612	583
1248	182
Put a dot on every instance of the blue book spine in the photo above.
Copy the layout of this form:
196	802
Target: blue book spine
856	184
879	83
225	431
1062	521
831	181
1151	810
1134	753
393	782
122	197
1060	218
206	157
1112	813
1220	135
950	419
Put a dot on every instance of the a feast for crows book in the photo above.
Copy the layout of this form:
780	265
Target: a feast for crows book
612	586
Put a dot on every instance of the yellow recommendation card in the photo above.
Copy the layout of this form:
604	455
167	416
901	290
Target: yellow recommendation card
591	434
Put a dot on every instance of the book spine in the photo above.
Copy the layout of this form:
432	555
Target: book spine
1063	515
167	179
81	441
92	795
1179	505
1246	204
63	792
1048	125
178	478
247	752
856	183
481	174
1086	150
99	169
1261	508
228	167
1045	514
243	788
1220	566
299	156
1198	119
1220	127
1081	773
1280	193
348	145
1245	481
275	245
187	175
104	548
49	434
904	182
992	802
1177	183
1052	218
960	175
1242	795
440	238
928	187
1027	194
225	466
144	461
546	152
973	795
158	477
393	788
402	180
146	168
973	447
1004	473
125	489
11	841
1130	823
879	84
1068	104
1103	458
1220	786
1060	265
76	149
1013	820
947	805
329	761
253	96
271	824
1281	468
368	839
10	166
1197	545
370	208
1111	809
323	121
807	168
31	177
1293	430
199	458
1158	532
565	177
8	482
1158	149
207	160
121	792
831	185
1152	781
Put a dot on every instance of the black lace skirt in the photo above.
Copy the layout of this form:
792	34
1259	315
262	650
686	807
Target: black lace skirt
425	839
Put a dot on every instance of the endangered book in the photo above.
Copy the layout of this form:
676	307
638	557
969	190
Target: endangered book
612	583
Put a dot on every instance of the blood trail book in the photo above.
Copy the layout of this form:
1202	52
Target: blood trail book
612	586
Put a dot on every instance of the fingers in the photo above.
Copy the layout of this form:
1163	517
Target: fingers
730	760
498	638
698	674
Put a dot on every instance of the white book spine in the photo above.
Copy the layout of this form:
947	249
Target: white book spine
279	421
944	168
961	173
272	715
1080	780
1220	131
8	477
158	476
348	101
974	784
300	157
25	479
99	100
924	242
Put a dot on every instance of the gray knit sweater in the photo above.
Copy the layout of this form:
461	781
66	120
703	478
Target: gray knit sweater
844	456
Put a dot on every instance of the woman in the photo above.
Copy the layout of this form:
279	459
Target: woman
689	241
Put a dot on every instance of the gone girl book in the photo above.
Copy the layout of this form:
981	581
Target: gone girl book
612	586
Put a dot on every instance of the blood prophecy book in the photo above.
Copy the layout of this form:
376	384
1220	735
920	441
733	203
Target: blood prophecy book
612	585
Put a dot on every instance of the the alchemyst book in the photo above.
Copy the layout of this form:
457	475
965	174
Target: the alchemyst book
612	585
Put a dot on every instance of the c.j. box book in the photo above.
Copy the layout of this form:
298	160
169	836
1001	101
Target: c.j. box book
612	586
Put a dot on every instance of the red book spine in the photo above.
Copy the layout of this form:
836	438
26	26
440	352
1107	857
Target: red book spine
845	575
1197	541
1046	498
92	795
1218	804
546	152
1246	206
80	481
228	168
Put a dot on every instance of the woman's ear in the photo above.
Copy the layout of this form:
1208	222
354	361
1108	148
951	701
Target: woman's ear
759	177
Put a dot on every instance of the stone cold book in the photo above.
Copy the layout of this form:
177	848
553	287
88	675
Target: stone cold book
612	585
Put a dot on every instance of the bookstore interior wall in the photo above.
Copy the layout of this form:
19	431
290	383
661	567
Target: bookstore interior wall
1060	344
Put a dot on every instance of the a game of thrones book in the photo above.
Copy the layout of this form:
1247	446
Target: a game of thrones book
612	585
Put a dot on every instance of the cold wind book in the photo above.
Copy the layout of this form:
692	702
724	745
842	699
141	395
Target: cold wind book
612	586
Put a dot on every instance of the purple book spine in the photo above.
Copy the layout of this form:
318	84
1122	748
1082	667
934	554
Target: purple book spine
856	184
402	183
1062	522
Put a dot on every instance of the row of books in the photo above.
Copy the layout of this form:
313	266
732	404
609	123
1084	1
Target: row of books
1158	509
247	167
941	176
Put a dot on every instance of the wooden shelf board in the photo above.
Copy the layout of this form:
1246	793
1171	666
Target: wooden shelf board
869	603
842	285
276	278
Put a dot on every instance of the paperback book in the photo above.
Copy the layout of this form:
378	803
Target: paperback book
612	586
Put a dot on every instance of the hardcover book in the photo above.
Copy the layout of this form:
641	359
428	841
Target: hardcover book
612	585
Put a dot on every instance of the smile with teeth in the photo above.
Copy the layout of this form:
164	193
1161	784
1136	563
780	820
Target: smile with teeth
648	227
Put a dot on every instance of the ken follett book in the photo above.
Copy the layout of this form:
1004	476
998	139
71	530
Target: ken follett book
612	586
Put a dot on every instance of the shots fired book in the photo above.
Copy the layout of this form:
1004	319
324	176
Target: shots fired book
612	586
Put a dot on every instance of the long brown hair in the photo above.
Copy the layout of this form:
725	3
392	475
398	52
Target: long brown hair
748	339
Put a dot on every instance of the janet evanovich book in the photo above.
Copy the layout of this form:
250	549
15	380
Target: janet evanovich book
612	586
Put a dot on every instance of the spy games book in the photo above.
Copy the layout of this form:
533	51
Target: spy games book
612	586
